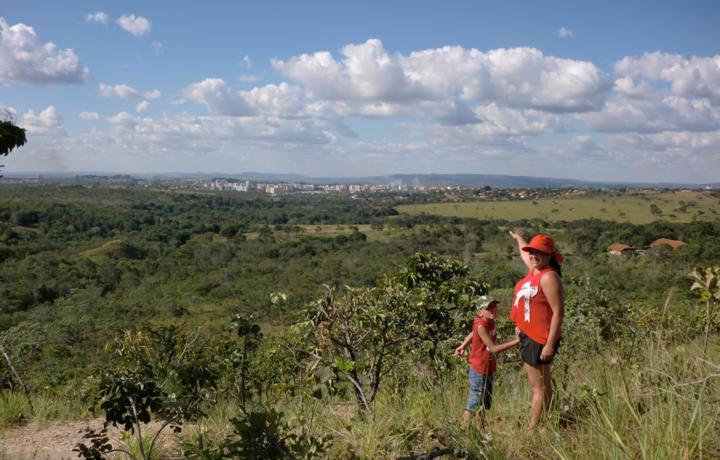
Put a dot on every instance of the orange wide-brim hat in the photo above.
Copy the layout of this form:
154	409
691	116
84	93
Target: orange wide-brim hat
544	243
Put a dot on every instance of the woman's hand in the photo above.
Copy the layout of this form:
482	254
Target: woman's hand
520	240
547	352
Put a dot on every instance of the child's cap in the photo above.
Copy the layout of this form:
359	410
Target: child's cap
484	301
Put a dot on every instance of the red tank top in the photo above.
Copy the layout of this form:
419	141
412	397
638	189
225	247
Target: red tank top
531	310
480	357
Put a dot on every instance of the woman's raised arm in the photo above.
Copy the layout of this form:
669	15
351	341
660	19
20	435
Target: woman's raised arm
517	236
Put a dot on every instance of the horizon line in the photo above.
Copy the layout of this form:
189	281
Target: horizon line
9	174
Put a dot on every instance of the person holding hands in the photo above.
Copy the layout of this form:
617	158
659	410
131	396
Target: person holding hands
538	310
481	371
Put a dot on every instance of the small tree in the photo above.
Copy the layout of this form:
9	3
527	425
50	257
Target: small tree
441	292
261	434
250	336
11	137
707	285
359	335
363	334
163	372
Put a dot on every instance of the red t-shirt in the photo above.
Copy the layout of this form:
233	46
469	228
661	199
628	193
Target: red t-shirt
531	310
480	357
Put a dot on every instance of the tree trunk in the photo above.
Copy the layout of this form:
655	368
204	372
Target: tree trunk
17	376
707	327
431	355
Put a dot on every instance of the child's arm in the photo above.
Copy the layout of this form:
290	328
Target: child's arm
459	351
494	347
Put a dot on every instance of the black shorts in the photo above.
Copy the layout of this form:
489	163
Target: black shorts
530	350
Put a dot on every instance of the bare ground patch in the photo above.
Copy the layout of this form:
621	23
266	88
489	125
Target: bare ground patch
56	440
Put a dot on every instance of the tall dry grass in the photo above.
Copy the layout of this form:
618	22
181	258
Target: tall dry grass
661	403
664	404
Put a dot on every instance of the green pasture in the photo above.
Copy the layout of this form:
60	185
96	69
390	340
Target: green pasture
635	208
334	230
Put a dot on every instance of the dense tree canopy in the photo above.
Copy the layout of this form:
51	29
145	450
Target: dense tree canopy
11	137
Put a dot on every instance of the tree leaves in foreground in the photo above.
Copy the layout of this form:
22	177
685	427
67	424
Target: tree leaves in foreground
11	137
364	334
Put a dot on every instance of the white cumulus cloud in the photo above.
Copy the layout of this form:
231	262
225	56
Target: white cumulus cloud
89	116
661	93
670	113
142	107
135	25
693	77
47	122
367	72
455	109
97	18
25	59
121	90
154	94
280	100
188	133
218	98
564	32
517	77
122	118
641	89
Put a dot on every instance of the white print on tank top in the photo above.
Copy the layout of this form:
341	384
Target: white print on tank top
526	292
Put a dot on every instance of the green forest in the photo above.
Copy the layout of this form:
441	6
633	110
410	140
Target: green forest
323	326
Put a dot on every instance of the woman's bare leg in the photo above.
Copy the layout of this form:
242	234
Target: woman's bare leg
539	379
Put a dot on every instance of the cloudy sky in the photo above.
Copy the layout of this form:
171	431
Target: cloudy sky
586	90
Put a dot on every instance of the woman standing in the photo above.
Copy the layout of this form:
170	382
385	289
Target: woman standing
538	310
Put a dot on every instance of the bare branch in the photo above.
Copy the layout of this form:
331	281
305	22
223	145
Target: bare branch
15	373
157	434
711	364
187	346
137	424
698	381
359	389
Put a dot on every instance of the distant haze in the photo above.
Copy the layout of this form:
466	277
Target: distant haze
416	180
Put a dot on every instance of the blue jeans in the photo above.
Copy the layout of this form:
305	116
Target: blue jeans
481	387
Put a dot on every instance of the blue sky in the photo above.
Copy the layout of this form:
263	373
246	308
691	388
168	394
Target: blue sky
588	90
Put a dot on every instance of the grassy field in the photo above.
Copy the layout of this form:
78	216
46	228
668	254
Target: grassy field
335	230
636	208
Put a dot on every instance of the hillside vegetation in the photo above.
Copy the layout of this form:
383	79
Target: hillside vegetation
323	326
635	208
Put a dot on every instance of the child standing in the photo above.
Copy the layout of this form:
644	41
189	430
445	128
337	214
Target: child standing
482	361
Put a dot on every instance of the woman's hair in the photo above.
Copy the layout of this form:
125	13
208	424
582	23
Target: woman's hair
555	265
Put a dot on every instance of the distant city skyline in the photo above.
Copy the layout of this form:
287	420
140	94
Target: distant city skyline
609	91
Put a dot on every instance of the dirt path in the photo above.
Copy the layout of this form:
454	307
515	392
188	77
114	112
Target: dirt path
56	440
